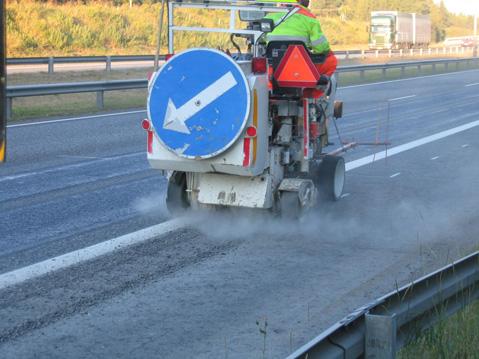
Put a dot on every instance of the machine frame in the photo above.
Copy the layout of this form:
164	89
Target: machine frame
284	172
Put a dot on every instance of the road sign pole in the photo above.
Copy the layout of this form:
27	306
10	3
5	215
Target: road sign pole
3	81
476	40
475	25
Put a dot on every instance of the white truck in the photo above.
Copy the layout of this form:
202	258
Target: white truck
243	130
396	30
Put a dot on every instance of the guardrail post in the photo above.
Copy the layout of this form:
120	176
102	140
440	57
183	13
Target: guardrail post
434	68
457	66
381	331
444	50
9	108
403	71
412	52
100	103
446	66
384	73
390	53
347	55
363	54
377	53
429	51
401	53
361	74
50	65
421	52
108	64
419	67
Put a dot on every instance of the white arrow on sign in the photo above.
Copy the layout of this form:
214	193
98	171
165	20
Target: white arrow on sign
175	118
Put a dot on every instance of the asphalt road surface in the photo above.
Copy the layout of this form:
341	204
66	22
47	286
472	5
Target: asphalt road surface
204	291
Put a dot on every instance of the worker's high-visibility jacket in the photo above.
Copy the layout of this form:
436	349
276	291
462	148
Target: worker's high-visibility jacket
302	26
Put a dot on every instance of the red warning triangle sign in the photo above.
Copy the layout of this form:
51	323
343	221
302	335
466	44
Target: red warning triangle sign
296	69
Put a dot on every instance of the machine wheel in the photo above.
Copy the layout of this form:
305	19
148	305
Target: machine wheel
176	196
290	206
330	177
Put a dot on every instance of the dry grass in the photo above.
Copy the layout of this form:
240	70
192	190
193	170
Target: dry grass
456	337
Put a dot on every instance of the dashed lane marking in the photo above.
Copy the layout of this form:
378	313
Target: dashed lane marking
395	175
401	98
470	85
80	157
67	167
434	158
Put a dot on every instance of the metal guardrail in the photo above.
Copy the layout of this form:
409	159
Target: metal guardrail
109	60
101	86
403	65
77	87
380	329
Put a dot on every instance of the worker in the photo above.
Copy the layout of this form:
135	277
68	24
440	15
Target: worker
304	26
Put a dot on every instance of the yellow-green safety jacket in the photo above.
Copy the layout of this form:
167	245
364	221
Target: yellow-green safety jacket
302	26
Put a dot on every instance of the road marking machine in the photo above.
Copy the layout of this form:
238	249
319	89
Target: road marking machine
242	130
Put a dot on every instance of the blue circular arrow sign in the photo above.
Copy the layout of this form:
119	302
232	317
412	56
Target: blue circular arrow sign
199	102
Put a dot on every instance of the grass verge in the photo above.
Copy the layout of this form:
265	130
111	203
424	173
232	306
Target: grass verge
455	337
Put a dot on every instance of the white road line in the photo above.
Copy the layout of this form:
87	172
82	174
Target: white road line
67	167
88	253
434	158
408	146
465	145
401	98
80	157
470	85
66	260
408	79
395	175
47	122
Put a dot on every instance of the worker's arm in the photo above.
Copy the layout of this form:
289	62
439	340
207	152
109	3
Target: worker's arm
319	42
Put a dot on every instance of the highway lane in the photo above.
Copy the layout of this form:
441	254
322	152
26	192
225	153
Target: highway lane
52	164
70	184
189	282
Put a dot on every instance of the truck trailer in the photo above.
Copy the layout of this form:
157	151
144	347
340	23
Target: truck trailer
396	30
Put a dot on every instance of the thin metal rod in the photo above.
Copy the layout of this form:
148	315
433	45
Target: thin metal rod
158	38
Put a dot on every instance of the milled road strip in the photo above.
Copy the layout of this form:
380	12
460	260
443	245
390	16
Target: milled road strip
66	260
88	253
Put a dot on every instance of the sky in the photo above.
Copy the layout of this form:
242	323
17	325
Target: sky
469	7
